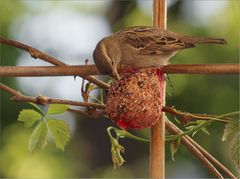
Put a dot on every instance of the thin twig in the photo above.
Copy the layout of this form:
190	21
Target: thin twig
185	140
228	173
35	53
97	82
186	116
189	116
43	100
95	114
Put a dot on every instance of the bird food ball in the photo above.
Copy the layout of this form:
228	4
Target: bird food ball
135	101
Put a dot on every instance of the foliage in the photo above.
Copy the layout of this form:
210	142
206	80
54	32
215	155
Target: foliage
173	146
232	132
38	138
17	163
60	132
55	109
45	125
29	117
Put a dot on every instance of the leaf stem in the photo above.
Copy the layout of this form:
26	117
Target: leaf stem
37	108
190	131
123	133
234	113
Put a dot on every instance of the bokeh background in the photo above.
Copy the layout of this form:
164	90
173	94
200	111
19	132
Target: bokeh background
69	30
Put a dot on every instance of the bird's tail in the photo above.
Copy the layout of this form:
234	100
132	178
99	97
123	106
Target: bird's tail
204	40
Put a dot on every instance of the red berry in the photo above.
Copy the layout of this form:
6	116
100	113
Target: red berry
135	101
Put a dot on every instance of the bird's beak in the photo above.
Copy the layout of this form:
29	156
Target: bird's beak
115	72
115	75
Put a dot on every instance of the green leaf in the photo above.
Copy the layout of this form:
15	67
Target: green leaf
174	147
57	109
235	150
231	129
193	134
38	138
176	120
37	108
28	117
204	130
60	132
232	132
194	124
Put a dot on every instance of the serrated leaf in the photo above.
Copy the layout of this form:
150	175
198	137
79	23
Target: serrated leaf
28	117
235	150
38	138
174	147
231	129
60	132
232	132
37	108
57	109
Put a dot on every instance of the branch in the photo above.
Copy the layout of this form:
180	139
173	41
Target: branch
189	116
157	145
160	13
199	152
97	82
43	100
228	69
92	114
35	53
228	173
186	116
84	70
173	129
17	96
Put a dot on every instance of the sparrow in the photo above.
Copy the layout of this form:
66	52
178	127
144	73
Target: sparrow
142	46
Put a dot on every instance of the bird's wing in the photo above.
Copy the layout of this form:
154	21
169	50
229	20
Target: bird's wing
153	41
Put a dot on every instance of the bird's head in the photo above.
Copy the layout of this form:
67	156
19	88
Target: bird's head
107	56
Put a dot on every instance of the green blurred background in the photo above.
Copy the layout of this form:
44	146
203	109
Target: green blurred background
69	30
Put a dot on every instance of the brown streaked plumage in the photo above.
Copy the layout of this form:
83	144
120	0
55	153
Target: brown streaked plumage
143	46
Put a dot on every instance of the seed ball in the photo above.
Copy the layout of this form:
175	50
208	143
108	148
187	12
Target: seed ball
135	101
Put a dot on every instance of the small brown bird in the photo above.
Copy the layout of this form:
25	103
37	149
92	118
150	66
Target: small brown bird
143	46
